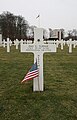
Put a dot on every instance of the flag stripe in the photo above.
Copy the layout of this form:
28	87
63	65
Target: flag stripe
31	74
29	78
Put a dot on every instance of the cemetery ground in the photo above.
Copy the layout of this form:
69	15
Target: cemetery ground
58	101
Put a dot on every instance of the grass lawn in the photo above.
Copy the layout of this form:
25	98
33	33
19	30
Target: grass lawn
59	99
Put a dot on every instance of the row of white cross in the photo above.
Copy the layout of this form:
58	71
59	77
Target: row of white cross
71	44
38	48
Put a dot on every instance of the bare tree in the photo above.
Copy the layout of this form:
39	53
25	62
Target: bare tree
13	26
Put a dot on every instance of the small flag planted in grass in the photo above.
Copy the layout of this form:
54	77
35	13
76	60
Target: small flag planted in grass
32	73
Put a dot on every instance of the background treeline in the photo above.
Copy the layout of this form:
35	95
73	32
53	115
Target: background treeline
13	26
16	27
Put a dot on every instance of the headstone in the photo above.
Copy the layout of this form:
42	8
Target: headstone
57	43
69	42
74	43
8	45
61	43
38	48
16	42
0	39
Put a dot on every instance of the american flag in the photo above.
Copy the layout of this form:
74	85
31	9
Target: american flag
32	73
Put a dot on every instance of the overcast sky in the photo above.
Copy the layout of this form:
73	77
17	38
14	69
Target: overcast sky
53	13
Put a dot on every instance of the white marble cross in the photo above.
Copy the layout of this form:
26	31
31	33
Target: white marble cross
70	43
38	48
10	42
61	43
74	43
8	45
16	42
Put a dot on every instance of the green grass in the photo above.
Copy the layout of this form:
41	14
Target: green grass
59	99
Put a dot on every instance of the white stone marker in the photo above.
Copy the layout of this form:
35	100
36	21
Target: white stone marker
57	43
61	43
8	45
38	48
74	43
16	42
70	45
0	39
